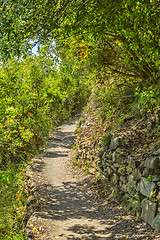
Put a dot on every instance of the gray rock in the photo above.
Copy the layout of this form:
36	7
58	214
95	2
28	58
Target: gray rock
131	185
138	187
104	164
132	181
137	174
120	184
148	211
152	162
157	152
116	165
107	164
131	162
155	178
124	188
158	197
107	173
110	170
115	179
103	156
146	172
117	158
158	184
106	157
123	179
146	188
129	169
109	155
115	142
156	223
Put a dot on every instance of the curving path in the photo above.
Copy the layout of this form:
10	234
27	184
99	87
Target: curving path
66	210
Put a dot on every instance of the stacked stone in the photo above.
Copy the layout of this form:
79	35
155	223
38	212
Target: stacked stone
138	182
87	144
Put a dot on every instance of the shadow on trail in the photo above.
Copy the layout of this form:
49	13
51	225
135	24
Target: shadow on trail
38	165
70	203
67	202
61	140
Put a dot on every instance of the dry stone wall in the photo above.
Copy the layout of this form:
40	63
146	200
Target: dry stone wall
138	182
134	181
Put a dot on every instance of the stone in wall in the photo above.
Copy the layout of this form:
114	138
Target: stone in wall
146	172
110	171
129	176
158	184
146	188
124	188
115	179
129	169
116	157
155	178
152	163
115	142
156	223
123	179
148	211
133	163
158	199
157	152
131	185
137	174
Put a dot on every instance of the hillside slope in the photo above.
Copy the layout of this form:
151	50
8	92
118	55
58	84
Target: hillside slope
120	145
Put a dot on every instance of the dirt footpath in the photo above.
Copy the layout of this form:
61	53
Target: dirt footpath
67	206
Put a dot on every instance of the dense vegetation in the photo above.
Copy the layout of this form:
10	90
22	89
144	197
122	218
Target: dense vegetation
36	96
123	35
115	44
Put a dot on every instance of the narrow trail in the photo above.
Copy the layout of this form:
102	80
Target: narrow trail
65	211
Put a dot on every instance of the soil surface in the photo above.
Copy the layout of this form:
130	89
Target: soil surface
69	206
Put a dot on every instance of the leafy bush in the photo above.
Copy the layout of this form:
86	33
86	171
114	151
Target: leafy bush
24	108
106	140
34	97
13	202
147	99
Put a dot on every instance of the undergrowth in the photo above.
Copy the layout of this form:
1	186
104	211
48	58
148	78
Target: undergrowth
35	97
123	109
117	104
13	201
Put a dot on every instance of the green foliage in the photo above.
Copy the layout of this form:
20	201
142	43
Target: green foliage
147	99
149	178
36	94
106	140
13	202
115	43
24	120
82	120
152	195
134	205
122	37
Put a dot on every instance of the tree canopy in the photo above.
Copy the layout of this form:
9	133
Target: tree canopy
123	36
